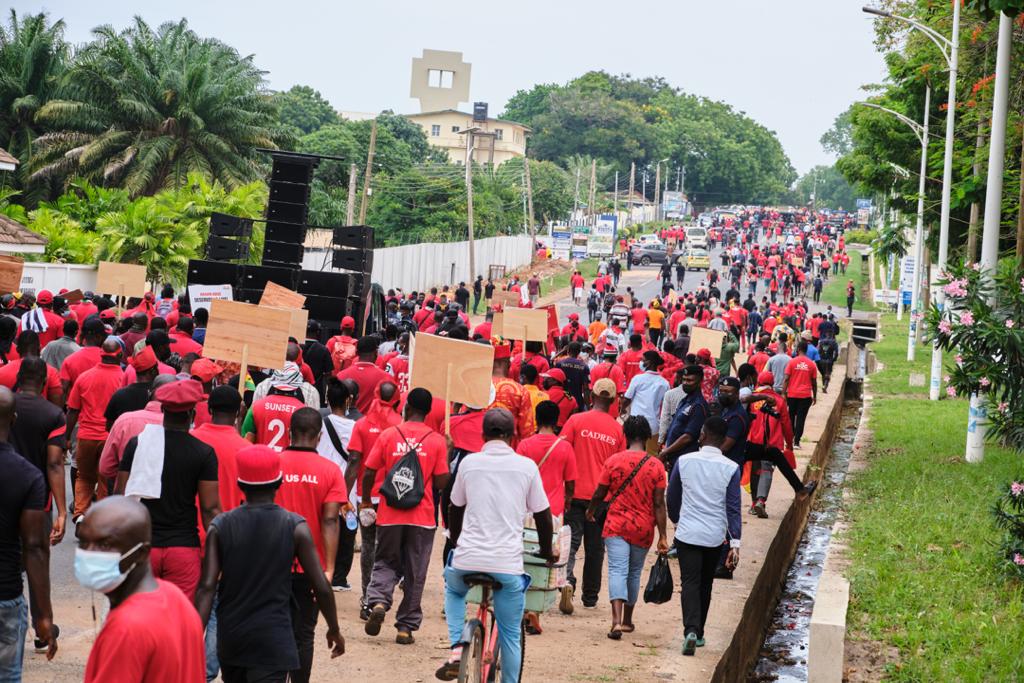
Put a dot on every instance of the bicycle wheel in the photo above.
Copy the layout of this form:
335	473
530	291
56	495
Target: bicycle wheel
494	676
470	666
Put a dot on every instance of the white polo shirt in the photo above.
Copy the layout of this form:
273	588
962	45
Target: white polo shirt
498	487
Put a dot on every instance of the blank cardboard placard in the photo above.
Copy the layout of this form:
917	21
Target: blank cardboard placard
703	338
299	320
234	325
281	297
456	370
74	296
11	271
498	324
121	279
505	299
529	324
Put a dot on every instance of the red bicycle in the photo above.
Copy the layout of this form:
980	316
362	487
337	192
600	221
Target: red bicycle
480	651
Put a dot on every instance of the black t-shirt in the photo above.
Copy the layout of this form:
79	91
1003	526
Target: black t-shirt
462	296
130	398
256	549
187	461
39	424
477	286
22	487
318	358
577	377
489	290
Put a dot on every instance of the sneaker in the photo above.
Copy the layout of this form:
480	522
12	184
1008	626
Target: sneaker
364	612
759	510
590	605
796	445
374	620
404	638
700	642
341	587
43	645
449	671
565	604
723	573
690	644
753	508
808	490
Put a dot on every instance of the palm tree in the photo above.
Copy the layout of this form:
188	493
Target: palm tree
148	233
143	108
891	243
33	58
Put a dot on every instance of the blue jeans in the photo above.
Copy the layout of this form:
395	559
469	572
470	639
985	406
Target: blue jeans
625	565
212	663
13	627
508	603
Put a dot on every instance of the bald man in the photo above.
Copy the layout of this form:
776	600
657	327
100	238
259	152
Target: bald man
152	634
87	405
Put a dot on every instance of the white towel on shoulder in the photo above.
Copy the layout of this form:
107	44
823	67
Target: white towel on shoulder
35	320
148	465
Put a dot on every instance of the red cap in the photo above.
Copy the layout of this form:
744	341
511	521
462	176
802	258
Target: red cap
574	316
258	465
64	290
44	296
205	369
348	323
502	351
179	397
766	378
144	359
497	308
704	353
555	374
108	314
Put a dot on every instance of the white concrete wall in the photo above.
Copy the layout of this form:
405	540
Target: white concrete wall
421	266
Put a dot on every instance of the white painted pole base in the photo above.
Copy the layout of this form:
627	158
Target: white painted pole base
976	419
912	335
936	378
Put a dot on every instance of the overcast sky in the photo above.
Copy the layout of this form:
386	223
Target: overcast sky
792	65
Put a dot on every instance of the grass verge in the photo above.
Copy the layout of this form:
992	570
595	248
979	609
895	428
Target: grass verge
923	572
587	268
834	291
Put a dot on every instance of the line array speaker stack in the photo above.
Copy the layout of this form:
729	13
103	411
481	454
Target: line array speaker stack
288	209
229	237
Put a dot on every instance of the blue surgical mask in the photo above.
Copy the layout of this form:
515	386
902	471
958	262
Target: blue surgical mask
101	570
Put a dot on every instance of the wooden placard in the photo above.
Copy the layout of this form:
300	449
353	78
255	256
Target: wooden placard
498	324
74	296
11	270
798	262
528	324
257	334
703	338
455	370
121	279
299	320
282	297
505	299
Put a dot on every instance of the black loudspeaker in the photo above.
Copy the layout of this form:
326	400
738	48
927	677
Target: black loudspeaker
226	249
214	273
285	232
331	308
256	277
479	111
224	225
287	213
292	193
325	283
293	169
287	253
249	296
354	237
360	260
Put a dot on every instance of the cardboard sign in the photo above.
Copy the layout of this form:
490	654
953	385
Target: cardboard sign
299	320
703	338
498	324
11	269
282	297
121	279
505	299
202	295
258	335
455	370
74	296
528	324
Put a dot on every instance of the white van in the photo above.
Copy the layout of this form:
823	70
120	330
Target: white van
697	236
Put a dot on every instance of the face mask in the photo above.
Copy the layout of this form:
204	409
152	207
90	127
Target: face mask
100	570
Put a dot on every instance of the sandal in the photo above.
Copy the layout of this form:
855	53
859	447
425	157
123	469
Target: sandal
615	633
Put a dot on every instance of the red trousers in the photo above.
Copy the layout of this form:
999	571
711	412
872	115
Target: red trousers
179	565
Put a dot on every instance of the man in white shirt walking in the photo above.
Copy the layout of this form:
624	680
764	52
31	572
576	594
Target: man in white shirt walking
703	501
493	492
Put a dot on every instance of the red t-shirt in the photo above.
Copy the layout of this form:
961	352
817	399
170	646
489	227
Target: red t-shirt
759	360
801	372
90	396
272	420
813	324
594	436
639	316
182	344
629	361
155	637
433	452
559	467
364	435
226	442
367	376
81	360
631	514
9	377
310	480
398	368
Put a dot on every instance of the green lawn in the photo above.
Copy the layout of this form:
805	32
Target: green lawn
923	573
587	267
834	291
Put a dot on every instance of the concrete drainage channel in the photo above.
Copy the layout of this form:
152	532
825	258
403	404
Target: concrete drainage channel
783	655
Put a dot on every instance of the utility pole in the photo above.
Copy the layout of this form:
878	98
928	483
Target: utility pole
657	192
529	205
576	196
629	201
364	204
350	210
591	196
469	202
915	295
978	416
645	193
679	179
979	145
615	202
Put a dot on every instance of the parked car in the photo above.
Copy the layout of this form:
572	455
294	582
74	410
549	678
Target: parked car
648	254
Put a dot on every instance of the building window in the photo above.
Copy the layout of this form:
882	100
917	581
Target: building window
439	78
435	130
455	129
498	132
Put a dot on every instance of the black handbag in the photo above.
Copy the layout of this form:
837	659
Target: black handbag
659	583
403	487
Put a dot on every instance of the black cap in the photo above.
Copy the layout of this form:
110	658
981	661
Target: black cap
729	382
157	338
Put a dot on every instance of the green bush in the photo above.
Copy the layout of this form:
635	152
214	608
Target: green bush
861	236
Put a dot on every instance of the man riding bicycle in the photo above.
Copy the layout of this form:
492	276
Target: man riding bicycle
493	492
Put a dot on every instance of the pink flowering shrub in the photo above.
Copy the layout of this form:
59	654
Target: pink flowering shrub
1009	517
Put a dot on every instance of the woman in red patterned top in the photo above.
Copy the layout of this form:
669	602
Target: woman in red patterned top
636	482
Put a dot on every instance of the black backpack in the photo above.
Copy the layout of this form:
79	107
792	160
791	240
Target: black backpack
403	486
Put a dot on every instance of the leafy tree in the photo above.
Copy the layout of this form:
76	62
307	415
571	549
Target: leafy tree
143	108
833	192
148	233
33	58
84	202
419	205
837	139
303	108
66	240
552	188
526	105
